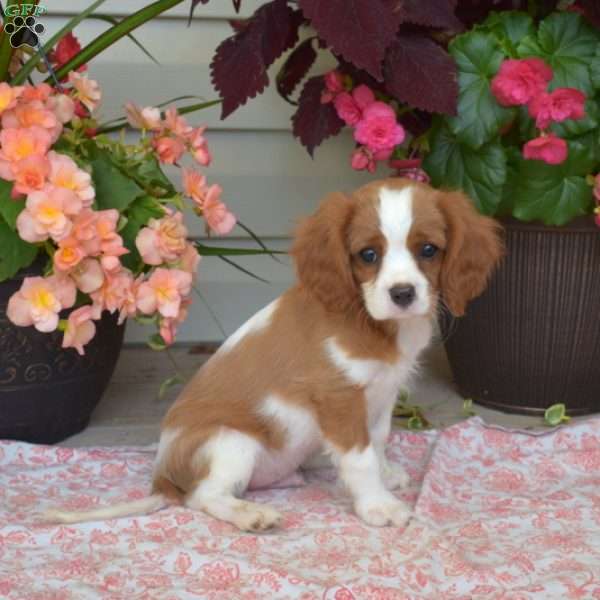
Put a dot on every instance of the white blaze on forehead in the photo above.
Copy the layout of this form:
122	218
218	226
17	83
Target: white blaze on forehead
398	266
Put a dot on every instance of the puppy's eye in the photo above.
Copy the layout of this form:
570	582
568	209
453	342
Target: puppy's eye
368	255
429	250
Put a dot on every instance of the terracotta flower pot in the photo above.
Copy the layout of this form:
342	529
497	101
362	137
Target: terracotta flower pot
48	393
533	338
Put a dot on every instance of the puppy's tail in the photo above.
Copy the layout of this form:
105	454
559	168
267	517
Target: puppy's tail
125	509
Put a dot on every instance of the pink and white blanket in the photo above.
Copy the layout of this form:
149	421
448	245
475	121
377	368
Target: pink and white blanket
497	514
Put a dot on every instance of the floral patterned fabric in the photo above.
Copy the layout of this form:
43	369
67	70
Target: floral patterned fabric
498	515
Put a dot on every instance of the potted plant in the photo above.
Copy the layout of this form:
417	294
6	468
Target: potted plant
497	98
92	231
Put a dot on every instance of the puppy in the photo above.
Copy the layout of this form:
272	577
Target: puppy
319	369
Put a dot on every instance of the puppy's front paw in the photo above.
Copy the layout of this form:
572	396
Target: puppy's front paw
379	511
394	477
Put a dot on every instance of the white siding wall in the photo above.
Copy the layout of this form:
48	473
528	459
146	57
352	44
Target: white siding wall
268	178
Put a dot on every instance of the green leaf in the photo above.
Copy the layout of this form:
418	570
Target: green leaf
205	250
109	37
509	27
568	44
9	208
479	117
156	342
555	194
14	252
479	173
468	407
556	414
415	423
595	68
113	188
140	211
150	176
31	64
168	383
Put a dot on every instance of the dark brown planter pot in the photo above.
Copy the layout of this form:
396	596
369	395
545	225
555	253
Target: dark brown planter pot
48	393
533	338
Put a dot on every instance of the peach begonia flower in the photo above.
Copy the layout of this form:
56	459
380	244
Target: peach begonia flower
129	301
113	292
111	264
164	292
143	118
162	240
194	185
189	259
216	214
87	91
39	301
168	149
32	114
47	214
88	275
199	146
29	174
111	242
62	106
8	96
80	329
175	123
17	144
68	255
41	91
168	325
65	173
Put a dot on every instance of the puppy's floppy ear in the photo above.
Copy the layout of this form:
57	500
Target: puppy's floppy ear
474	248
321	253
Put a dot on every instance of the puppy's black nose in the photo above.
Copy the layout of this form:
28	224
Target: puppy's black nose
402	295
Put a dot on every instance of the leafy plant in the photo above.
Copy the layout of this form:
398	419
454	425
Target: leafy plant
433	62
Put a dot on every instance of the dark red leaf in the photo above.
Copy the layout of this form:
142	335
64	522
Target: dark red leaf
359	30
238	25
236	5
193	7
313	122
421	73
239	66
590	9
431	13
295	68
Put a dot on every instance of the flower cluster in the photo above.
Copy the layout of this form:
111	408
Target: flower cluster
376	128
525	83
59	214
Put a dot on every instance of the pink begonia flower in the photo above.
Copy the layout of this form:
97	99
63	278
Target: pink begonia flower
87	91
597	188
39	301
109	241
41	91
162	240
557	106
29	174
168	149
194	185
334	84
168	325
519	81
175	123
143	118
111	264
68	254
350	107
8	96
216	214
84	231
113	292
65	173
129	301
548	148
189	259
410	168
80	329
164	292
17	144
364	159
32	114
62	106
378	129
88	275
199	146
47	214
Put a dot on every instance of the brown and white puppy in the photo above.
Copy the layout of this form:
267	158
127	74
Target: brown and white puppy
319	369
